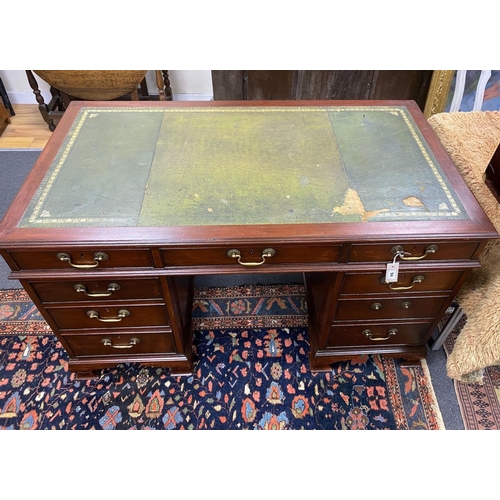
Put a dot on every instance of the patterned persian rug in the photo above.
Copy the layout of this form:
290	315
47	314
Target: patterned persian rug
479	403
251	372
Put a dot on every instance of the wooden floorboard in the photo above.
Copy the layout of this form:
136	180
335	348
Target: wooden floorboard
27	129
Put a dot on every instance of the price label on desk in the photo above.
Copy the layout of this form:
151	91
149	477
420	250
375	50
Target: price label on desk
391	273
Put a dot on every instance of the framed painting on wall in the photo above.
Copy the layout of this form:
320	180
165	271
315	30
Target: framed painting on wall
463	90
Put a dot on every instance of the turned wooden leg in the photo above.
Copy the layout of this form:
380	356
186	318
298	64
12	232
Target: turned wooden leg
163	84
63	101
43	108
168	89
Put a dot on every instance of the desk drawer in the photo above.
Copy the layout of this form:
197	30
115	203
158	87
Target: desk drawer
82	259
377	335
389	308
97	290
252	255
109	317
120	344
409	281
427	251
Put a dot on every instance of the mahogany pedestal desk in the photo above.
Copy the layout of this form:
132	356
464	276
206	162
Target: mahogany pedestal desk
129	201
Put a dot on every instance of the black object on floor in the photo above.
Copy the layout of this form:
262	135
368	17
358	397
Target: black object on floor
5	98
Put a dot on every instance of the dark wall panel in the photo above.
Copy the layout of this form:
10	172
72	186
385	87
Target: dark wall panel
321	84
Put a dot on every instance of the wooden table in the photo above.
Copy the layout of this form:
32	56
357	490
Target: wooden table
129	201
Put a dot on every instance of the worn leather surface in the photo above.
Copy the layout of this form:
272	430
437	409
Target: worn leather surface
242	165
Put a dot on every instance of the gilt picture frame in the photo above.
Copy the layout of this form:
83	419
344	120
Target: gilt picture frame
439	90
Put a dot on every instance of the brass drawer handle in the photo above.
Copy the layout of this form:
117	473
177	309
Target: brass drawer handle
266	253
390	333
134	341
414	281
399	250
98	257
122	313
112	287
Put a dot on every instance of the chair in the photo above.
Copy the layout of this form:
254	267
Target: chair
99	85
472	139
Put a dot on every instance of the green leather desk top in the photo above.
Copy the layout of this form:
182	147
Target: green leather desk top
187	166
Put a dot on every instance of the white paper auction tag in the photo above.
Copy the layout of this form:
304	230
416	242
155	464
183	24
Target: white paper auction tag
391	273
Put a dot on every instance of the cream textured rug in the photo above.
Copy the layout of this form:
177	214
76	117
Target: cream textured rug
471	139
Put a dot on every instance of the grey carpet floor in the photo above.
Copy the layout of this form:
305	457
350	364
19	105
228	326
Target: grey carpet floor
15	166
